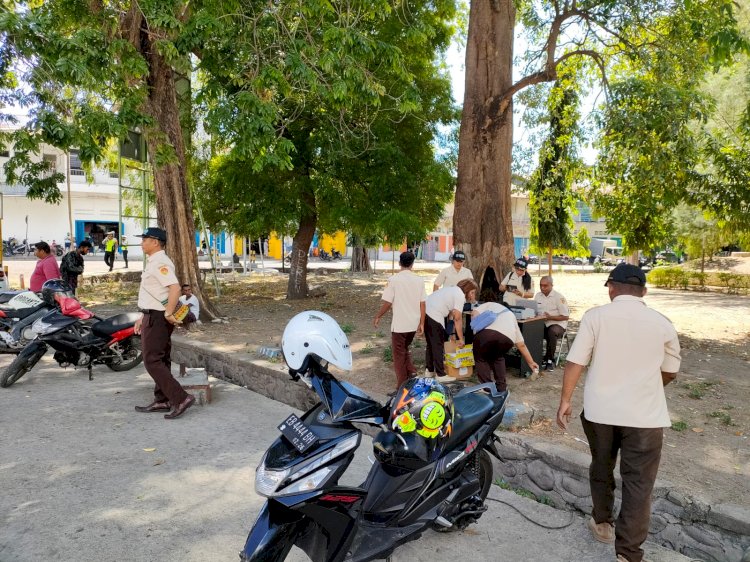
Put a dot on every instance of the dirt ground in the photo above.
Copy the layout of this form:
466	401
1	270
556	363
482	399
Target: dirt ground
706	453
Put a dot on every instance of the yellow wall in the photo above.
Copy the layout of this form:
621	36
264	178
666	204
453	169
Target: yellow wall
274	246
335	242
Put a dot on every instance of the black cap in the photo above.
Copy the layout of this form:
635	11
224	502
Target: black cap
628	274
154	232
522	263
458	256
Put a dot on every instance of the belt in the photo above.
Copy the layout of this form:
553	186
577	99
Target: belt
150	311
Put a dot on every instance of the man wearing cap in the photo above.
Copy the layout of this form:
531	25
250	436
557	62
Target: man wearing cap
455	272
632	353
553	306
157	299
517	284
406	295
110	247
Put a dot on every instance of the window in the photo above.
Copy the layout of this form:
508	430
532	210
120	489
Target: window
51	161
76	168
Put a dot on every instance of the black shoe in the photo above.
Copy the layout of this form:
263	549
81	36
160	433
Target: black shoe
180	408
550	366
154	407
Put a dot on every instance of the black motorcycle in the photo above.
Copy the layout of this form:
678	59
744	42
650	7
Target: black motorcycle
18	312
403	495
79	339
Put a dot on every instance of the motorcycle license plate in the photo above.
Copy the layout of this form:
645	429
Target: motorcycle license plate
298	433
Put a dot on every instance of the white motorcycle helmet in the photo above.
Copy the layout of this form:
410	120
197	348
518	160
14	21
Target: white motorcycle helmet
314	333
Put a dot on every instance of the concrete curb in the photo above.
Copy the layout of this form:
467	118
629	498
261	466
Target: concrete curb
713	533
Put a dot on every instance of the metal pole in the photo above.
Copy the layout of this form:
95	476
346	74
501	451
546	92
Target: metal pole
262	257
211	257
70	202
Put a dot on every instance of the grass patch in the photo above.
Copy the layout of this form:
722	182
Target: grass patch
697	390
524	493
723	417
367	349
347	328
417	344
388	354
679	426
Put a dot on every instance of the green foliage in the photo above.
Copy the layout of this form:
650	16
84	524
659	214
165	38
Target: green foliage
723	417
679	426
388	354
550	196
347	328
681	278
698	389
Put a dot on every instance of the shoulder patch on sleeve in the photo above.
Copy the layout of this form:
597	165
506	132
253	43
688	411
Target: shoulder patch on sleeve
164	270
562	300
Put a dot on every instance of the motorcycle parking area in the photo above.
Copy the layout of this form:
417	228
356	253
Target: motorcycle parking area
87	478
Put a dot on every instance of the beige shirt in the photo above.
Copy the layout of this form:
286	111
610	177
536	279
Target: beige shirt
626	346
444	301
505	323
405	291
514	281
156	278
554	304
449	277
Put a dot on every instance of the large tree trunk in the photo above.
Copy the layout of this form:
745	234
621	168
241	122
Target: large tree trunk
360	260
482	223
173	203
297	286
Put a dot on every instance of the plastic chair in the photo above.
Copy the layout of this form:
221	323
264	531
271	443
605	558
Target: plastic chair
563	341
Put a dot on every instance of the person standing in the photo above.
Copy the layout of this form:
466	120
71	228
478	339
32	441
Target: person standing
67	242
71	266
46	268
493	342
455	272
157	299
443	303
110	247
632	353
404	293
553	306
517	284
124	249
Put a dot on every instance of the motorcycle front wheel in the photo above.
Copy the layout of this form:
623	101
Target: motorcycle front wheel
23	363
131	355
484	474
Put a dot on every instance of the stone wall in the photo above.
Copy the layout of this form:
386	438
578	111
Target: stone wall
719	533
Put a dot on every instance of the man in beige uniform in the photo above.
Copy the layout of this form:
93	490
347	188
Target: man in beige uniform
455	272
632	353
406	295
157	300
553	306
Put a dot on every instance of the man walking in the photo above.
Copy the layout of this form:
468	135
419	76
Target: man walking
71	266
110	247
124	249
157	300
553	306
405	293
632	352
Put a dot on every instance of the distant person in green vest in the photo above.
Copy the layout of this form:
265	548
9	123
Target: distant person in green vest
124	247
110	247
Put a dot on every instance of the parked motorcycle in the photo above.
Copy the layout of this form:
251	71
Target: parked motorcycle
79	338
18	312
431	470
13	248
325	256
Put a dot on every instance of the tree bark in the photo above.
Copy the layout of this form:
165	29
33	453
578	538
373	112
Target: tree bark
173	204
297	286
360	260
482	221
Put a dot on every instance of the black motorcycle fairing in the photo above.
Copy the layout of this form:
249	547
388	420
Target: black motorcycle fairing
21	313
58	319
107	327
344	401
391	489
264	542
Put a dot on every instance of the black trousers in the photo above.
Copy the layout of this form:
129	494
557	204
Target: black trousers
490	348
109	259
552	335
435	334
125	257
156	343
640	453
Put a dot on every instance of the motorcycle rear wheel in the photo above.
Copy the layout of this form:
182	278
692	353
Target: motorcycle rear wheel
485	482
22	364
131	357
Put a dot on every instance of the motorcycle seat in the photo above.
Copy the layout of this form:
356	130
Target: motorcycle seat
19	313
115	323
470	410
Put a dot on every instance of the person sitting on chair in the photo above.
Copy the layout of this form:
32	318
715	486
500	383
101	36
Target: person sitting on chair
553	306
